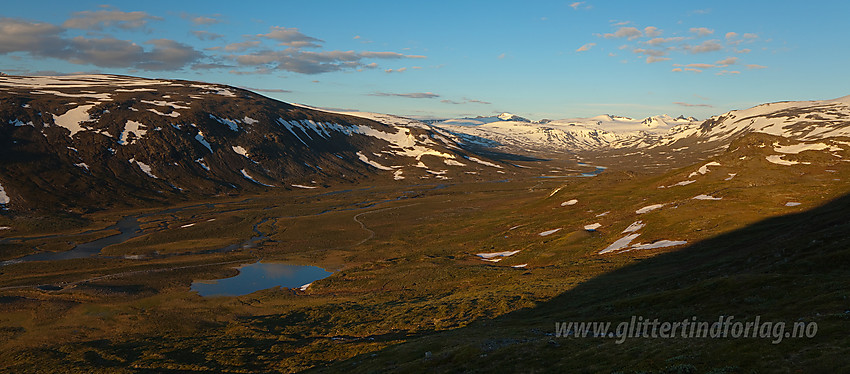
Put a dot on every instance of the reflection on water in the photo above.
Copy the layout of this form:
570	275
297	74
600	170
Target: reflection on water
260	276
128	228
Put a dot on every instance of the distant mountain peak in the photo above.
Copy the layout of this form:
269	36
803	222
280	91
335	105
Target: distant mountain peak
511	117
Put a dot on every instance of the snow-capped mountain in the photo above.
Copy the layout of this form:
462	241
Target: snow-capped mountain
564	134
800	120
478	121
93	141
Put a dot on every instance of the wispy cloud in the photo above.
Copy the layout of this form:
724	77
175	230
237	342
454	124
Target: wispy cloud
399	70
654	59
585	47
206	35
728	72
698	65
727	61
411	95
755	66
689	105
465	101
580	5
268	90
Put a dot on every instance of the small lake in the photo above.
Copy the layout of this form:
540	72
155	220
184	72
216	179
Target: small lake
260	276
599	170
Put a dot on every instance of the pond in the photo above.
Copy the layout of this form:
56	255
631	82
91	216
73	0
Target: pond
260	276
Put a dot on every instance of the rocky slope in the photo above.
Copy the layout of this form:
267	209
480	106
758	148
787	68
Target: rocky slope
96	141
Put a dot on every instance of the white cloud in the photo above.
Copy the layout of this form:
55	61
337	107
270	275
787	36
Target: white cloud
706	46
630	33
659	41
98	20
702	31
651	31
650	52
727	61
201	20
291	37
701	66
239	47
731	35
585	47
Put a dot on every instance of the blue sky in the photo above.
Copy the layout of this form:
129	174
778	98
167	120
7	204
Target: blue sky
539	59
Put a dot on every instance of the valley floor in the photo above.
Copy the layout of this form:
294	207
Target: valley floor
449	277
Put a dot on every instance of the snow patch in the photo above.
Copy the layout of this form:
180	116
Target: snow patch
242	151
248	177
233	125
492	256
173	114
303	186
366	160
593	226
658	244
482	162
200	138
145	167
648	208
792	203
634	227
451	162
72	119
777	159
704	169
131	127
569	202
549	232
801	147
201	162
619	244
706	197
4	198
